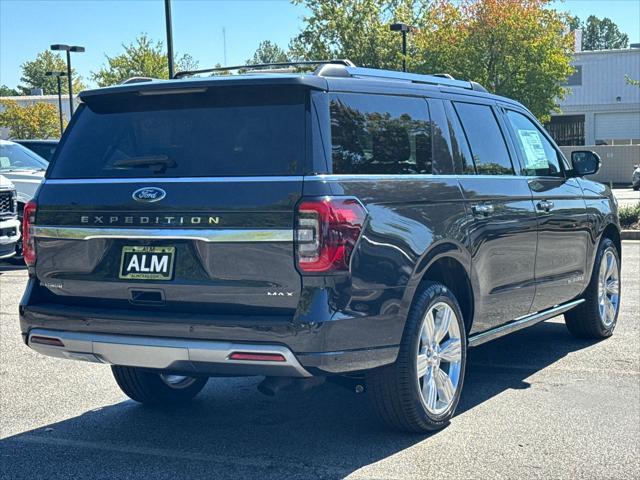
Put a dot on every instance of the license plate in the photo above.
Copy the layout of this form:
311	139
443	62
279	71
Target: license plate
147	263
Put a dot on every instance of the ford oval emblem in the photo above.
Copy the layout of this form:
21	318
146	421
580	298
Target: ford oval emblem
149	194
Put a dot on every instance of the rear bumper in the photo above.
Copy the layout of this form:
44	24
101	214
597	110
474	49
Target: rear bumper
189	356
330	347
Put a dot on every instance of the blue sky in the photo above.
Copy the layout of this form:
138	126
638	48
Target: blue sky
30	26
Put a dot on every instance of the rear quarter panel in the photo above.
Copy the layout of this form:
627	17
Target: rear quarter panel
602	211
412	221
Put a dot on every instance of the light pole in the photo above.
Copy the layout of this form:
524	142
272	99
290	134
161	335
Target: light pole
68	49
167	18
58	76
404	28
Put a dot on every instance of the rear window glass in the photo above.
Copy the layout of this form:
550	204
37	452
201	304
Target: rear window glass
380	134
217	132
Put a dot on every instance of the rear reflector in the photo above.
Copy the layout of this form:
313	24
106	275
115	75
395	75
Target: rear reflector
257	357
54	342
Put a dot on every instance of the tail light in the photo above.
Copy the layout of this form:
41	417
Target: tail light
326	234
28	243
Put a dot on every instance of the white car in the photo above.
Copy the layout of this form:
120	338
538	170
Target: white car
9	224
25	169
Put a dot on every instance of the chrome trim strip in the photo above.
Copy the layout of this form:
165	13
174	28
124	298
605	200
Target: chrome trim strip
519	324
158	181
165	353
203	235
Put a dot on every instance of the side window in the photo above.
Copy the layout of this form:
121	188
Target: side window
487	144
461	153
538	154
380	134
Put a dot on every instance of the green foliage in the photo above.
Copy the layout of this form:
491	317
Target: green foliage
141	58
8	92
355	29
602	34
33	74
516	48
39	120
630	216
268	52
632	81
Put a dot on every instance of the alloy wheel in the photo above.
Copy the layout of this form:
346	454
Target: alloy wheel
608	287
439	358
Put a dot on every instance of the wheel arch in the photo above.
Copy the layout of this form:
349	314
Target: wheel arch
612	232
448	263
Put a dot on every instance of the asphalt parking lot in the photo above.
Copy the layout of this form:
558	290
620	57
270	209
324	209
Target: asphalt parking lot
536	404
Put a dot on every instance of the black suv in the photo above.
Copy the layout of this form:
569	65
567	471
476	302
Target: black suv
362	225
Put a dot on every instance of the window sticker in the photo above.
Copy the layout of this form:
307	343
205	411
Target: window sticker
535	156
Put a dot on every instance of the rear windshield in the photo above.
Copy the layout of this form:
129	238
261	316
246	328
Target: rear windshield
216	132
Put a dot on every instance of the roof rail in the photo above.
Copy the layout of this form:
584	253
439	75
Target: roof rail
444	80
258	66
136	80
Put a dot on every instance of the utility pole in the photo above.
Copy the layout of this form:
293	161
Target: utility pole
224	44
68	49
58	76
167	16
404	29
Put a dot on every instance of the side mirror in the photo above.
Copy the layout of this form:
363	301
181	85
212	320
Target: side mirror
585	162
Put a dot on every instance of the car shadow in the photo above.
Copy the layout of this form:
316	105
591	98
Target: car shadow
233	430
8	266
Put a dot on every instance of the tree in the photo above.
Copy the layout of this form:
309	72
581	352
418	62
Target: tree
142	58
33	74
355	29
516	48
39	120
602	34
268	52
8	92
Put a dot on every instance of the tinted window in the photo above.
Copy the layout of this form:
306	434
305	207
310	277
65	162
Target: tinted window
376	134
16	157
46	151
537	153
219	132
461	153
488	148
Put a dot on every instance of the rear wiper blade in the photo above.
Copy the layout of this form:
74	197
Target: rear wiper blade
161	162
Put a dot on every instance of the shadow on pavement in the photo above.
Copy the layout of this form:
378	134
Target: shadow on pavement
8	266
231	430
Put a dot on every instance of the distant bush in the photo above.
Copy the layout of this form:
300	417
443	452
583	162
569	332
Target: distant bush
630	216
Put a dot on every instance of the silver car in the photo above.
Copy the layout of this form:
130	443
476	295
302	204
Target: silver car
25	169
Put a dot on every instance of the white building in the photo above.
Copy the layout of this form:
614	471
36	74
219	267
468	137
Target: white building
24	100
601	106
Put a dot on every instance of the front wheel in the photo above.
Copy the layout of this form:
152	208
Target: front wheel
156	388
597	316
420	391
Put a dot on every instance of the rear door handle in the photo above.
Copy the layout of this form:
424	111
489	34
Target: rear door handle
545	205
483	209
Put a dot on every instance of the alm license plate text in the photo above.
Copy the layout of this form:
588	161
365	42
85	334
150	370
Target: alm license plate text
147	263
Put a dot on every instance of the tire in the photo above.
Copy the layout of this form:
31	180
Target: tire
590	319
636	187
156	388
397	390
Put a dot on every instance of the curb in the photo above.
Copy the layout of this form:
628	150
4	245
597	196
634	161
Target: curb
630	235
